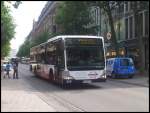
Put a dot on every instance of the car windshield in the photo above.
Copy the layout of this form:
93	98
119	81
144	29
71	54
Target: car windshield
85	57
126	62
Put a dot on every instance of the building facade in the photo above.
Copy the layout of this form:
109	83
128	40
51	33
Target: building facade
131	23
46	21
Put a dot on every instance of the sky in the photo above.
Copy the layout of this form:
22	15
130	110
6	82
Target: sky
23	18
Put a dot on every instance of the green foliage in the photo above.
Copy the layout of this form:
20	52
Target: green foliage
7	29
24	49
41	38
73	17
107	7
141	69
5	50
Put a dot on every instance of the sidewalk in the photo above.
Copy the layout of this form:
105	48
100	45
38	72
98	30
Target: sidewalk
17	97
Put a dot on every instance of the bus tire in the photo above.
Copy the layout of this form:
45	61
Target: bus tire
34	69
64	85
51	75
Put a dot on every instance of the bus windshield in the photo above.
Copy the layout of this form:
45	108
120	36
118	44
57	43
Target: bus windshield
85	57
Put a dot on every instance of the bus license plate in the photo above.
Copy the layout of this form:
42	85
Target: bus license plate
87	81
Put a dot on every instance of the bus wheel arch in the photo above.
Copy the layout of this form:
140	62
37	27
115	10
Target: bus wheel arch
51	74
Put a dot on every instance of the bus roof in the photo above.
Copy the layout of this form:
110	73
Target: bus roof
67	36
73	36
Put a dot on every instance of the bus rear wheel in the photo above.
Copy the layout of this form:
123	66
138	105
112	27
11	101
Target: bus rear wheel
51	75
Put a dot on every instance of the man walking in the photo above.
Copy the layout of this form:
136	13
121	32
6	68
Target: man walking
7	70
15	66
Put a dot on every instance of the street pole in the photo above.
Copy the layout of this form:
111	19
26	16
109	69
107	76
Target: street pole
100	21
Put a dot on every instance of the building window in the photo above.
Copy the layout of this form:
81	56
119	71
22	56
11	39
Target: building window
129	6
126	6
95	16
126	28
113	53
146	23
140	22
121	8
132	5
131	27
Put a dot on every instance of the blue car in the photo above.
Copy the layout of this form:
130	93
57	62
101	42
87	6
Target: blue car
120	67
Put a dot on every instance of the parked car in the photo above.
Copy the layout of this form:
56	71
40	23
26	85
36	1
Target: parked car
120	67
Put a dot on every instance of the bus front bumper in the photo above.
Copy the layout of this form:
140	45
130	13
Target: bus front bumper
72	81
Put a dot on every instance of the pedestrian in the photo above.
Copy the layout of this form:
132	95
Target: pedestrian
7	70
2	69
15	67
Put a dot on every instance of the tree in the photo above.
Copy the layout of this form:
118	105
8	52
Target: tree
107	7
24	49
7	28
5	50
73	17
144	5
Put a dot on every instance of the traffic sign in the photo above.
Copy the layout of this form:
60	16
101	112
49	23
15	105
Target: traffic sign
108	35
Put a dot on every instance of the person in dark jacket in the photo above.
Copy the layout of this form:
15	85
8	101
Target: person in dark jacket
15	67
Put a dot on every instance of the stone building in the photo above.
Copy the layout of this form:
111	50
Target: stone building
131	23
46	21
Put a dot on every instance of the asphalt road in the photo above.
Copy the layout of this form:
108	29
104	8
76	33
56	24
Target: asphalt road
110	96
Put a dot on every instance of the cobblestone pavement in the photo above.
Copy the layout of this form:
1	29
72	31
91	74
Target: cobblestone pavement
15	96
30	93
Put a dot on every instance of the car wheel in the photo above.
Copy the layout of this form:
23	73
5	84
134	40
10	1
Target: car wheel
113	75
130	76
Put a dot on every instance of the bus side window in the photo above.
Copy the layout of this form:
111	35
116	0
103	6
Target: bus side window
60	54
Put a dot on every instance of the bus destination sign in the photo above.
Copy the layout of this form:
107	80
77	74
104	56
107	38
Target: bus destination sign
82	41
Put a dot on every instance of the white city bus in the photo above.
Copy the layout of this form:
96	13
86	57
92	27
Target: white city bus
72	59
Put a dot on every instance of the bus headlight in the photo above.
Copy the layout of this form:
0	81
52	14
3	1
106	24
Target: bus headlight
66	75
103	74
